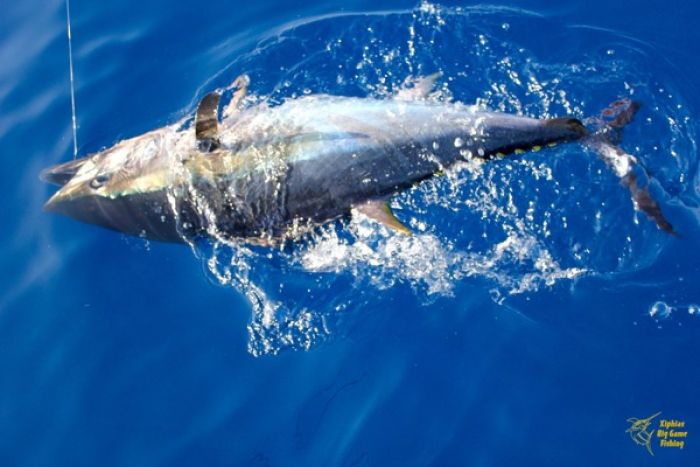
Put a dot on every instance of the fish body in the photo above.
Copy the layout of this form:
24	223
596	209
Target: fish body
312	159
269	173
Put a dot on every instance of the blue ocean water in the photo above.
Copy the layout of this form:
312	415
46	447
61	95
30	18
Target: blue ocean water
533	313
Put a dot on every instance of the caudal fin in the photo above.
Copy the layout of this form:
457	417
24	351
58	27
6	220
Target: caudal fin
604	140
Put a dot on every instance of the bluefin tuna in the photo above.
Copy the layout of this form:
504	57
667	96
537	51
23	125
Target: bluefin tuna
267	174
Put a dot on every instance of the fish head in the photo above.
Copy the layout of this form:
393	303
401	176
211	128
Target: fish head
124	188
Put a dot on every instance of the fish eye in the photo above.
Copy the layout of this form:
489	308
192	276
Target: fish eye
98	181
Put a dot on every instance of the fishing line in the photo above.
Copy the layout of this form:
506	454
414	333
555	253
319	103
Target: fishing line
72	81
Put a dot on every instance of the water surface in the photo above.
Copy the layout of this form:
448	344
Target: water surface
531	315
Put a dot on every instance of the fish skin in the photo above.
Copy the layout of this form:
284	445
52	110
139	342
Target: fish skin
283	169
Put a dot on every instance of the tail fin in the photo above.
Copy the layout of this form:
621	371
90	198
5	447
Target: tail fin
603	141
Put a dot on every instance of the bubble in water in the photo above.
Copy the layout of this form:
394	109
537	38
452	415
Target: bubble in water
660	310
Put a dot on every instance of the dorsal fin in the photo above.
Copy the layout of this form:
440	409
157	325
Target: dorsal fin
206	122
241	83
417	88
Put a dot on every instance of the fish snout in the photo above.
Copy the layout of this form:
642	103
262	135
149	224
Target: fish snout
65	200
60	174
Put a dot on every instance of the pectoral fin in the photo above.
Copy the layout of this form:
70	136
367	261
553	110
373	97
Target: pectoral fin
206	122
379	210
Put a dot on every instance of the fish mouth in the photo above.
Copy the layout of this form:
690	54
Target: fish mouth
61	199
60	174
145	215
73	202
